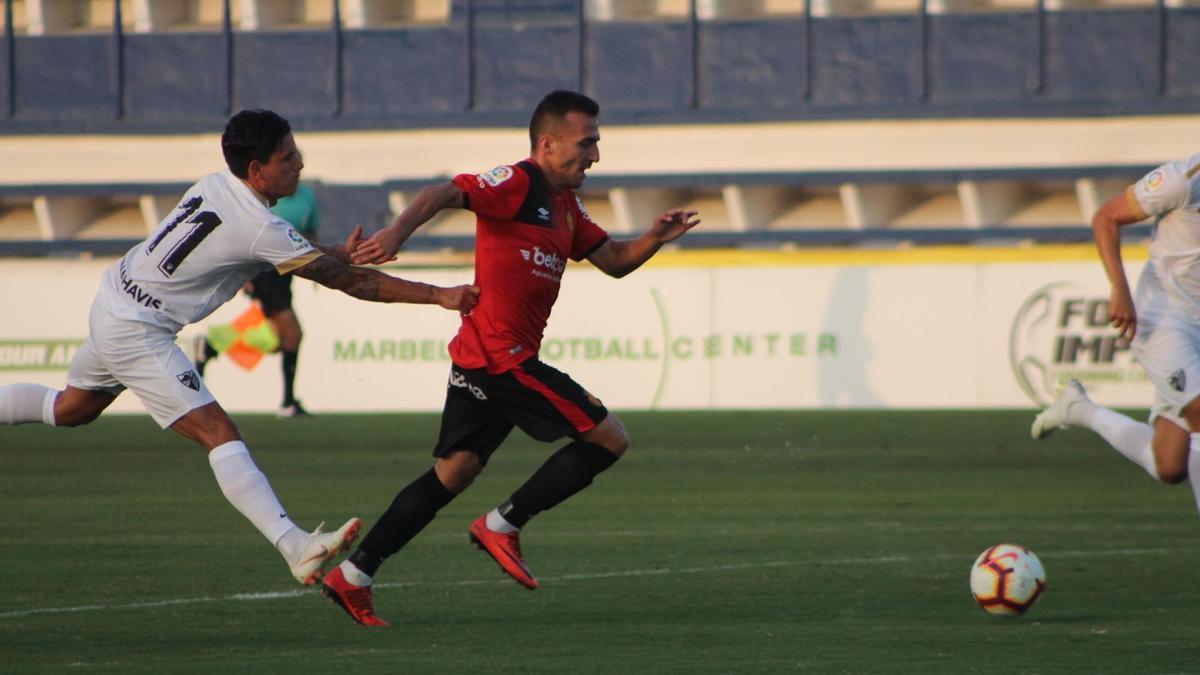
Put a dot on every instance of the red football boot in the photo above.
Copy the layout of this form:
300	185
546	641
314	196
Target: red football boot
356	600
505	549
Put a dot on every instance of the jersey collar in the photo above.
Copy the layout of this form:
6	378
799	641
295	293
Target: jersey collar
255	193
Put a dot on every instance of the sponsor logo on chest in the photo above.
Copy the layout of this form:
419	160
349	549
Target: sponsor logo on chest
545	265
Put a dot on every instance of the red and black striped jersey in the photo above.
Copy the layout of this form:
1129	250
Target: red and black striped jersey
524	233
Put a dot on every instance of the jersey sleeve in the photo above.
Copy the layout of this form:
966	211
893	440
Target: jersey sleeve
1163	189
496	194
280	245
588	235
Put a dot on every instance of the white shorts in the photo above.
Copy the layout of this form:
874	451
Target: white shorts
1170	354
120	354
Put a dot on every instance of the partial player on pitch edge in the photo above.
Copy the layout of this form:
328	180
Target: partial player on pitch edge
1162	324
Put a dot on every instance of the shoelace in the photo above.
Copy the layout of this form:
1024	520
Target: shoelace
360	600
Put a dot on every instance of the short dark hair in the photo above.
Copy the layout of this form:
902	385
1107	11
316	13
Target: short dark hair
252	135
556	105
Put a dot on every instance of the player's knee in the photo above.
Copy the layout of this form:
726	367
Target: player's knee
74	418
1173	470
69	413
610	434
1170	459
458	471
619	444
1172	475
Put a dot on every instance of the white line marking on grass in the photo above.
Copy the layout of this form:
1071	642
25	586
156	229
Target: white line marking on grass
660	571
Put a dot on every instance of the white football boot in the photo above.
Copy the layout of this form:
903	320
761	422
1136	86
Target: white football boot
1055	416
321	547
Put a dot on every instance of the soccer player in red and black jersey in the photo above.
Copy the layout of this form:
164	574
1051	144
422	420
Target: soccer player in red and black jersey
529	222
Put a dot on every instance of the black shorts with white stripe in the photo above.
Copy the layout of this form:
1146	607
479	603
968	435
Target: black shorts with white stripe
481	409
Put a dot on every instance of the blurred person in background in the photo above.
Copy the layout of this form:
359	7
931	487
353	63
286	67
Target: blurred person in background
273	292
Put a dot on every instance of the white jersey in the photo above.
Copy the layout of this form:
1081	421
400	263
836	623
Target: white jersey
1170	281
217	238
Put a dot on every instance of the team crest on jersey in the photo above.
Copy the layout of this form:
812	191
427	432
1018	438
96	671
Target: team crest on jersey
189	379
496	176
299	243
1178	380
1155	179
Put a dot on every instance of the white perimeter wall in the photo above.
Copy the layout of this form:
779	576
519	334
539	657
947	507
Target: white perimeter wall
371	157
891	333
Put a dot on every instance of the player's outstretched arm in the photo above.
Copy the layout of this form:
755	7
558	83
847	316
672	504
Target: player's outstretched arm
1121	210
382	246
618	258
375	286
342	251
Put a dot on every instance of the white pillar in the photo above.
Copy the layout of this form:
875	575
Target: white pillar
872	206
52	16
155	208
636	208
1093	192
753	207
156	15
64	217
987	203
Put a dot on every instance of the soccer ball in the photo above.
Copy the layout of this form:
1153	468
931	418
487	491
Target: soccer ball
1007	579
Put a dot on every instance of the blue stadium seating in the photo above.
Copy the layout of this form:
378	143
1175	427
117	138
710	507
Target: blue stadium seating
492	59
487	64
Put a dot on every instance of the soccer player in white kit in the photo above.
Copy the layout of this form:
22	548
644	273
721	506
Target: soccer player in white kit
220	235
1162	325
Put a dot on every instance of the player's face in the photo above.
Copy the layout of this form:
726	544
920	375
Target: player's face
280	175
574	149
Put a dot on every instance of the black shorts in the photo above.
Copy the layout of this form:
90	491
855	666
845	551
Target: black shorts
482	409
272	291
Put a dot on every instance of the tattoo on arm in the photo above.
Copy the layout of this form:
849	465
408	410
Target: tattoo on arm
332	273
366	284
334	251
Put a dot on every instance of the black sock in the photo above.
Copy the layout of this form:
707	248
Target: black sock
412	509
289	377
567	471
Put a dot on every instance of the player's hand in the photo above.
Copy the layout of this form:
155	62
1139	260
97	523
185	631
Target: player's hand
459	298
1121	312
673	224
374	250
353	240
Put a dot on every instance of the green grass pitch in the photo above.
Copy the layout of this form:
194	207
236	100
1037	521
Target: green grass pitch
823	542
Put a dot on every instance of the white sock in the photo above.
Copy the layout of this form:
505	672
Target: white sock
25	403
1194	468
496	523
353	574
1130	437
248	490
